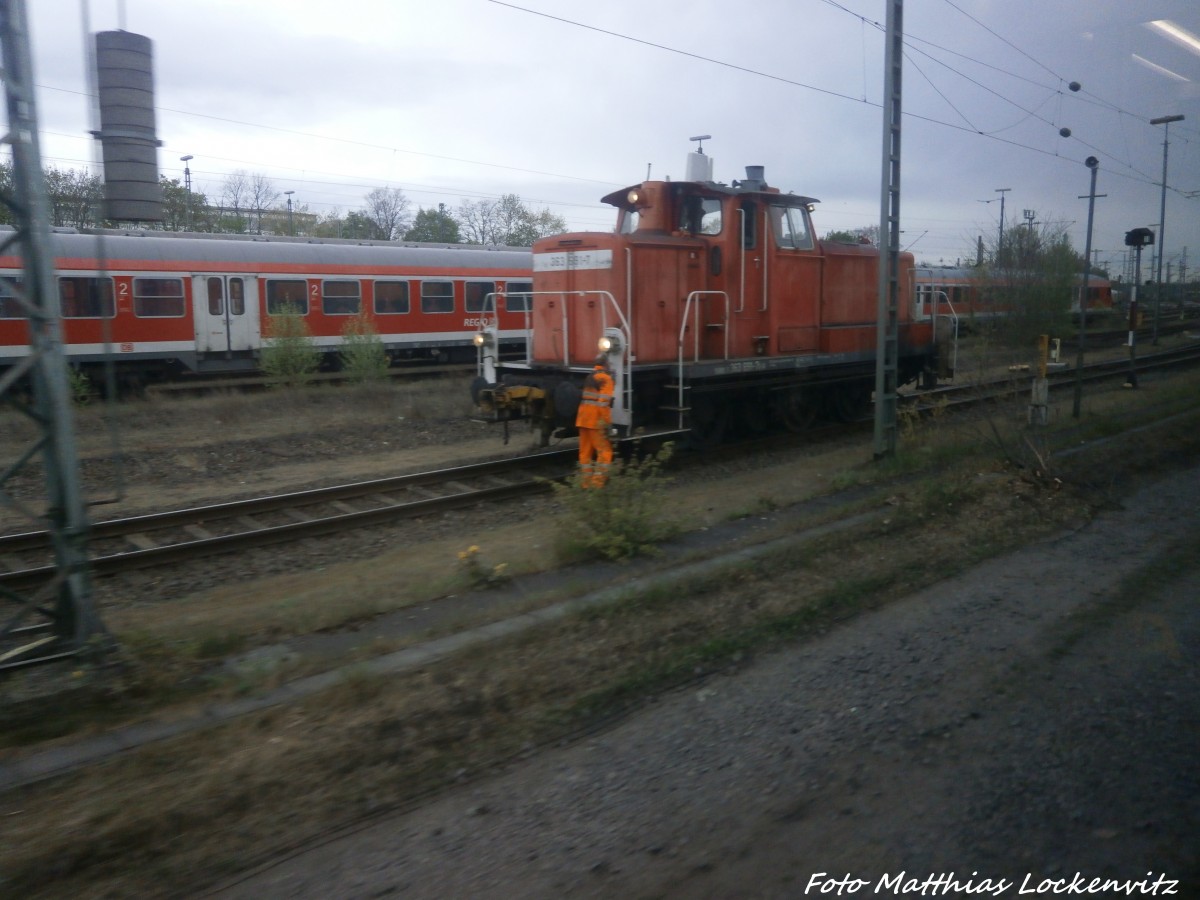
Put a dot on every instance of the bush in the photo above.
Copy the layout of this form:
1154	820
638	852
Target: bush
290	355
621	519
363	357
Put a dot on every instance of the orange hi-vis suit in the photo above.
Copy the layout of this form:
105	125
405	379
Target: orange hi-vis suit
593	420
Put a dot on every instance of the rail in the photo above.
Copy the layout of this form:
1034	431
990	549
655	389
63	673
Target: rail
141	541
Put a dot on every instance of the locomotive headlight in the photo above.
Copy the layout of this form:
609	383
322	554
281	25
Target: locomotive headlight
609	344
483	339
633	197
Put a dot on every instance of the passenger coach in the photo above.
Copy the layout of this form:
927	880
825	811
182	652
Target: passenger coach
161	303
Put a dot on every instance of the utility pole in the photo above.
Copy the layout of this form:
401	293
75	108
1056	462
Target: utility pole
1164	121
1182	280
887	312
1093	164
1000	241
58	618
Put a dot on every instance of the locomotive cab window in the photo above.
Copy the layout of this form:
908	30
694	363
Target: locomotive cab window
791	228
700	215
86	298
627	223
477	296
156	298
437	296
284	296
340	298
518	296
391	297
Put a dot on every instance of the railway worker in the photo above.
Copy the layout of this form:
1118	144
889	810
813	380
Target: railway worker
593	421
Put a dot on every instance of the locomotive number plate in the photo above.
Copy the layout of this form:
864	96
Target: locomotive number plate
572	259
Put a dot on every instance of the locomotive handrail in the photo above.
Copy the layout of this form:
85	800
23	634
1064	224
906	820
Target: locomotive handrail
766	258
741	307
687	307
954	319
933	293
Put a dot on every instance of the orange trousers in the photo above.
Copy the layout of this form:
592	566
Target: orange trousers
595	456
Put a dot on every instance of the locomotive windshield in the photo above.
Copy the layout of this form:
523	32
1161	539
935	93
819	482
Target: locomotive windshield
790	224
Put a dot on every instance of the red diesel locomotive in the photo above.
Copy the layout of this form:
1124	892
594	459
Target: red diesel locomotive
159	303
714	304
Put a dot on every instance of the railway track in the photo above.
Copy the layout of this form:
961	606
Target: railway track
120	545
1058	378
128	544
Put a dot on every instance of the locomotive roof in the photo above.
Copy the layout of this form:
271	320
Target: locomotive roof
620	198
165	246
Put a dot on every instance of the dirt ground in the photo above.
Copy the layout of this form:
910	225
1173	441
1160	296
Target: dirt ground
1034	716
1028	725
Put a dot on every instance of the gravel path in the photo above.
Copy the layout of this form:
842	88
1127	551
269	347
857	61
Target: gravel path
1023	721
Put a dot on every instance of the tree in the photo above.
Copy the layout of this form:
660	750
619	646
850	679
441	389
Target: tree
388	209
477	221
867	234
183	210
360	226
74	197
328	225
434	226
261	193
1034	280
6	190
506	221
235	191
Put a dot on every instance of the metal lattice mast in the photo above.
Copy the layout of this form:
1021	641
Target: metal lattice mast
57	617
887	324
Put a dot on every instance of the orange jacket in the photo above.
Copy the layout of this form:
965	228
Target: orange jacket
595	408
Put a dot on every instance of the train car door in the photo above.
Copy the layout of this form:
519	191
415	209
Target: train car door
226	313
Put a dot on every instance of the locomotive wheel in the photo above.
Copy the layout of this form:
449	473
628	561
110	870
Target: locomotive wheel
796	409
754	413
848	402
709	417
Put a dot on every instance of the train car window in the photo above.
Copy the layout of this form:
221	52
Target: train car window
791	228
9	307
437	296
391	297
284	296
156	298
216	296
628	222
477	292
518	297
700	215
340	298
86	298
237	297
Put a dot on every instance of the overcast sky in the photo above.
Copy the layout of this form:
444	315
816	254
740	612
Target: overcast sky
563	102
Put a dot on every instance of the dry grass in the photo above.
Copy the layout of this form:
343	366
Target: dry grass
144	824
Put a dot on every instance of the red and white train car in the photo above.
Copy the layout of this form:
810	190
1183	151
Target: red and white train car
160	303
977	296
714	304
